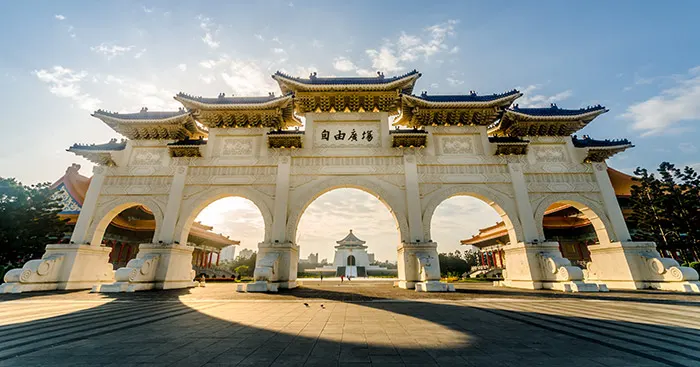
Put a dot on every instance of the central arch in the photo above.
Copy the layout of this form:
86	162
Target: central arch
504	206
302	197
192	206
351	260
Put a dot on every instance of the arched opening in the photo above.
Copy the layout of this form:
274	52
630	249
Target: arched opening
225	234
471	233
123	229
575	226
348	232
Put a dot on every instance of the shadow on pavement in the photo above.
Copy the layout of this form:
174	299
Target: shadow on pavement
162	328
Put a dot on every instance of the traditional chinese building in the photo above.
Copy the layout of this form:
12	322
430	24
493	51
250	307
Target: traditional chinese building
351	259
134	225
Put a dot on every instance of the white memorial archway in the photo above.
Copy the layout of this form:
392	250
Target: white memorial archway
518	160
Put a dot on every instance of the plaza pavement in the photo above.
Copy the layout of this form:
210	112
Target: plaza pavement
354	324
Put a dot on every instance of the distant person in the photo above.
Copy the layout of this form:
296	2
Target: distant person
202	281
349	278
321	274
342	277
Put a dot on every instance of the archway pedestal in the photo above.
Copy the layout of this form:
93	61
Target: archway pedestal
63	267
156	266
541	266
419	268
275	267
638	265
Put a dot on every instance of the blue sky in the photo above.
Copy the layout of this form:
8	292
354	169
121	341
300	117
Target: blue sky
61	60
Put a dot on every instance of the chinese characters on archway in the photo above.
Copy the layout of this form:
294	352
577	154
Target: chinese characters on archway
352	136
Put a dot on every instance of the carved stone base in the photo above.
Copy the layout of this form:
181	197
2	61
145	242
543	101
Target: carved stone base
418	262
275	267
434	286
156	266
541	266
62	266
258	286
637	265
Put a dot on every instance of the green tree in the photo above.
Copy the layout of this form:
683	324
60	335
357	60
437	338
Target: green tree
28	221
240	262
452	263
666	209
241	269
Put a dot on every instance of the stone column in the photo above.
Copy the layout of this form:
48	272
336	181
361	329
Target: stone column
277	261
172	210
415	220
279	215
87	211
612	207
522	201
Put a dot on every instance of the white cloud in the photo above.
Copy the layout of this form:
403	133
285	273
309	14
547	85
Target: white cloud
182	67
65	83
276	40
248	78
666	112
278	50
211	64
409	47
343	64
111	50
530	99
384	60
687	148
210	31
140	53
316	44
259	37
454	82
59	17
147	10
207	79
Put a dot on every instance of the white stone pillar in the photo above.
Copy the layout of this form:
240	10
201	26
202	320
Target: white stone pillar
612	207
172	209
87	211
279	219
413	207
522	200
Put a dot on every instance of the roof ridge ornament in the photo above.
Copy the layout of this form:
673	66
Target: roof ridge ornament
380	75
144	109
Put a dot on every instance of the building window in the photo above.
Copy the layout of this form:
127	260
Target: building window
351	260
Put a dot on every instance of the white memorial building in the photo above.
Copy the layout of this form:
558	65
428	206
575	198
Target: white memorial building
351	259
411	151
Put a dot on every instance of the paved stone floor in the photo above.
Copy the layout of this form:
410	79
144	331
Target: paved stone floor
356	324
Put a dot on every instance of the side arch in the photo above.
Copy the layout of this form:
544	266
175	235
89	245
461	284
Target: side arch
504	206
592	210
303	196
108	209
192	206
